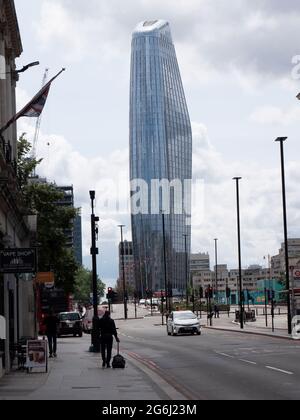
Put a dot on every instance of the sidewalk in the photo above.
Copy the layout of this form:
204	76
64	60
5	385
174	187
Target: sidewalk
118	311
77	375
259	327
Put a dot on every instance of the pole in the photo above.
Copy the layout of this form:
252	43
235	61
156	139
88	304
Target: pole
162	309
186	271
282	140
123	274
165	260
273	314
216	259
237	179
94	252
266	307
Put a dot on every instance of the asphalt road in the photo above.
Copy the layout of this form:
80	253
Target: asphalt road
218	365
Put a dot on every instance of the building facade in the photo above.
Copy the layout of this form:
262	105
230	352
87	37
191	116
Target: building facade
129	271
199	262
278	261
16	228
73	235
160	161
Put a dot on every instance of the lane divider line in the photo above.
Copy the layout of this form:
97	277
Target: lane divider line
248	361
279	370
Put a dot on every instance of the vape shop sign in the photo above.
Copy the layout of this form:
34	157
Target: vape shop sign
18	261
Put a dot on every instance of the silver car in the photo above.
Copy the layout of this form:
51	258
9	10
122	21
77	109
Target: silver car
183	322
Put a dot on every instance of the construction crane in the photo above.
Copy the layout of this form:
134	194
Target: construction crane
38	122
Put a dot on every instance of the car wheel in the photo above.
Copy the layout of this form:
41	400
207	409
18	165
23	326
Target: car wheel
80	334
199	333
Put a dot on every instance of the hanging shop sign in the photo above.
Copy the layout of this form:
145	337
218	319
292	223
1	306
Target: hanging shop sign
17	261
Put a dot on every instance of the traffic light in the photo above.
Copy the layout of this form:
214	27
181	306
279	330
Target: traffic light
209	293
201	293
228	292
149	294
112	296
110	293
271	295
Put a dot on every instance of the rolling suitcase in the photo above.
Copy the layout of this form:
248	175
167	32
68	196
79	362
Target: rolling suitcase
118	361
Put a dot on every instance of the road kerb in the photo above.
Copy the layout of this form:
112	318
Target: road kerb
249	333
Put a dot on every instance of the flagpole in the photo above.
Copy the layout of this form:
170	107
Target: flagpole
40	92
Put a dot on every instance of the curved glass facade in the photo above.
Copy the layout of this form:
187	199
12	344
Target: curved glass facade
160	149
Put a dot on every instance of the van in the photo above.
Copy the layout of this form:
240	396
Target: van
88	318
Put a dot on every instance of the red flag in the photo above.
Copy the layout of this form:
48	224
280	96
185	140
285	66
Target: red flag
35	107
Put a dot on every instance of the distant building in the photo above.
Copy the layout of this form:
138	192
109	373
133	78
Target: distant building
278	261
199	262
73	235
129	270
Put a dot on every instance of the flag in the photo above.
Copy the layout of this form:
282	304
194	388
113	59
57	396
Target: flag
35	107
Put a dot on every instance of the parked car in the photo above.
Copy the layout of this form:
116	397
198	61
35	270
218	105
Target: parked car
70	323
183	322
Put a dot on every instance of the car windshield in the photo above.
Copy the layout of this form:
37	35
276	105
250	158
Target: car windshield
69	317
185	316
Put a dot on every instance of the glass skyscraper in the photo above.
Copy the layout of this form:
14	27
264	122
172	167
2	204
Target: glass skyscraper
160	149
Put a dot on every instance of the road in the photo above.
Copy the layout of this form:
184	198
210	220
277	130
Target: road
218	365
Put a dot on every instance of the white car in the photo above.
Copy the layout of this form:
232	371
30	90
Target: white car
183	322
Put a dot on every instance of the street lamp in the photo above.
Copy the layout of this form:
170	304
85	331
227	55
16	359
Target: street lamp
35	63
216	259
123	274
95	348
186	270
281	140
165	261
237	179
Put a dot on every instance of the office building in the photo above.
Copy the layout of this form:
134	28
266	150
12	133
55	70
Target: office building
160	160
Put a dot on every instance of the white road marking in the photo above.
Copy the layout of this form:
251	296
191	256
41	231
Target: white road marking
280	370
248	361
225	355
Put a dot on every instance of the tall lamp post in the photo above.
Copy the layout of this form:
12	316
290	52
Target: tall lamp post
216	259
281	140
165	261
123	274
237	179
94	252
186	270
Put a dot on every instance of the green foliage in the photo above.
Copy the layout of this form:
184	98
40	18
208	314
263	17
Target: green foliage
53	220
26	163
83	286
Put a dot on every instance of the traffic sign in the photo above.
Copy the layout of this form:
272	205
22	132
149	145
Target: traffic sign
296	274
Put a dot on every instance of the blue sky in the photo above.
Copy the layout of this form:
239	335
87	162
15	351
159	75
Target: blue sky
236	64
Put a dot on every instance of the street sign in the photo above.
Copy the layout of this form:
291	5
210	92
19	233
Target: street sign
17	261
45	278
296	274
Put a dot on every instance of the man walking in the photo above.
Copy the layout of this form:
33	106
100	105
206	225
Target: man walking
51	323
108	330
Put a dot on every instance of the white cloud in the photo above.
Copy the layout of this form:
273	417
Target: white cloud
275	115
218	37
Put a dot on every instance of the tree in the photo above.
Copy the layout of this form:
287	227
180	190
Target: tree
83	286
53	220
26	164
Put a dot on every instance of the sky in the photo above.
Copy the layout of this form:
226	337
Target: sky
239	62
